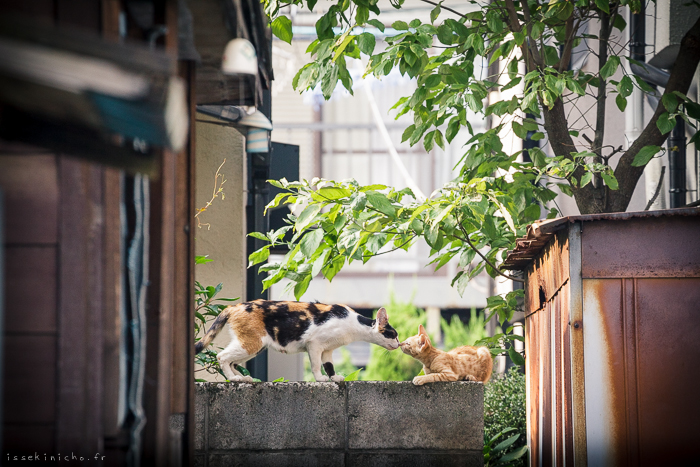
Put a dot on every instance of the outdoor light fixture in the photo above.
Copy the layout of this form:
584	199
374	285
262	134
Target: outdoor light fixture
239	58
258	135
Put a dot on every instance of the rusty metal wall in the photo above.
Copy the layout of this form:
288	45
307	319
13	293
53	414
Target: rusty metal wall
611	343
549	391
640	343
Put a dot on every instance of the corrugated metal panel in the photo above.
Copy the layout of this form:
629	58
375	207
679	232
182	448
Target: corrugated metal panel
632	399
538	234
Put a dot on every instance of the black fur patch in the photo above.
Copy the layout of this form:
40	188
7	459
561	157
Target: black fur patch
249	307
330	371
321	317
366	321
198	347
283	325
389	332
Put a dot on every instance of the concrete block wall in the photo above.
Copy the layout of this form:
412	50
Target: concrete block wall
339	424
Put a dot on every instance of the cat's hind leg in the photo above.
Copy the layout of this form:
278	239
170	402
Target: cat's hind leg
315	353
327	359
234	354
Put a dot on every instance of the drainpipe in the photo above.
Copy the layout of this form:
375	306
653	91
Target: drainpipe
676	164
634	115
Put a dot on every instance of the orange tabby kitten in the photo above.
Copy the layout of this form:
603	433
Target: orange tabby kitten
463	363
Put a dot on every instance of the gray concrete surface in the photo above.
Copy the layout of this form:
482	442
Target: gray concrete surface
364	424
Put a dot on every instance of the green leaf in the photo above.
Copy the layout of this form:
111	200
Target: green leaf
259	256
282	28
333	193
307	216
537	29
609	180
693	110
670	102
625	86
645	155
586	179
301	287
199	259
444	34
507	443
603	5
366	42
257	235
377	24
381	203
621	102
434	13
610	66
665	123
516	357
354	375
513	455
400	26
311	241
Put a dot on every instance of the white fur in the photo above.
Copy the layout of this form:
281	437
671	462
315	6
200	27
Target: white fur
319	341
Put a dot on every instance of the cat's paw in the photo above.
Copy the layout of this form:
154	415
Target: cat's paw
241	379
322	379
418	381
337	378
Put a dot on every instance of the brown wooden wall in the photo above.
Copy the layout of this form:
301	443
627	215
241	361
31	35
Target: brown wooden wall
64	271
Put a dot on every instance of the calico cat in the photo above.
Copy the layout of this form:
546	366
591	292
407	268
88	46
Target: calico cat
463	363
291	327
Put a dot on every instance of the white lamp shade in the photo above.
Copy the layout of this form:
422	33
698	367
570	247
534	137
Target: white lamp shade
256	120
239	58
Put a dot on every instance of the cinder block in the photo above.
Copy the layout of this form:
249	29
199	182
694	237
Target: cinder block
278	459
400	415
201	402
270	416
417	458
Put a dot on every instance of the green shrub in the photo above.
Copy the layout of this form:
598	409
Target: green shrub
504	407
457	334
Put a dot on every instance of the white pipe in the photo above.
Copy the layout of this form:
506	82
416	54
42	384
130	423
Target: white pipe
381	126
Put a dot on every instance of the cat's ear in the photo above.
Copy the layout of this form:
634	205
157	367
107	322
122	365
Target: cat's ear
422	340
421	331
382	318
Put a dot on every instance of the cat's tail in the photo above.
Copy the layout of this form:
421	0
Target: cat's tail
484	355
216	326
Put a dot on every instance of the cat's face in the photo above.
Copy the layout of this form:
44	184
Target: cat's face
382	332
416	345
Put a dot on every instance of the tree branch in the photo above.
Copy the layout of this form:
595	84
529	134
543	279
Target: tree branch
471	245
445	8
681	77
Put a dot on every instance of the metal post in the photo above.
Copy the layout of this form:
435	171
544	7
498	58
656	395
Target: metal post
258	194
676	164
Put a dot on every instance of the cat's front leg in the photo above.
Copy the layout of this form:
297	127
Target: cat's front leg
315	359
434	377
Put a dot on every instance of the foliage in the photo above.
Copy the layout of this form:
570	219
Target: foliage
534	41
504	407
504	453
456	333
384	365
205	310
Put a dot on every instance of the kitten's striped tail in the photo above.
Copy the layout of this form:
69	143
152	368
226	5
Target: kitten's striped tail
216	326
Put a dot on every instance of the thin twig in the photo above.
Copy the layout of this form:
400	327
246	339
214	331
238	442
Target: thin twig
469	242
218	188
658	188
